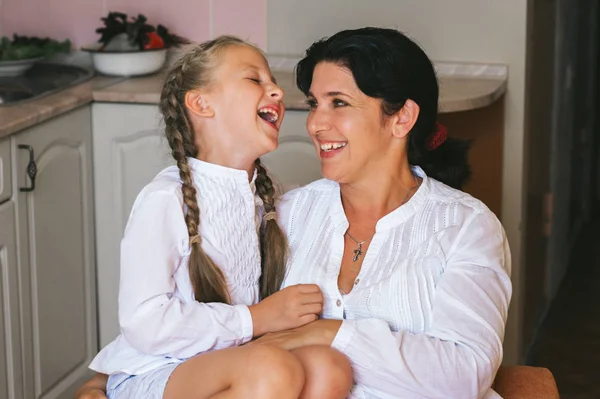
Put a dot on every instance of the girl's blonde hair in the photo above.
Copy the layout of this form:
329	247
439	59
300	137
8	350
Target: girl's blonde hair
193	71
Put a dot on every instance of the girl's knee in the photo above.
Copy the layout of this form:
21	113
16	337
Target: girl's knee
278	373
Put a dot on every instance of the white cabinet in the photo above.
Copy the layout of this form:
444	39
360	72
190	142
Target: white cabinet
129	150
5	169
55	239
11	371
11	362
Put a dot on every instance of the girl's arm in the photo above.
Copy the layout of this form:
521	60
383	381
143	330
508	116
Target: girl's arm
152	317
156	321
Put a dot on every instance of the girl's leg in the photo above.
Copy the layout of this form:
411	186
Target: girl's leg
328	373
258	371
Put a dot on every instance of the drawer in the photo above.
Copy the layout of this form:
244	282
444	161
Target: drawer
5	171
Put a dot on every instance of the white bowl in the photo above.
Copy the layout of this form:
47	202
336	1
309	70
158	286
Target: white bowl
134	63
16	68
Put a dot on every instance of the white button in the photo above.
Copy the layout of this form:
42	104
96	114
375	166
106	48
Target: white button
356	281
338	303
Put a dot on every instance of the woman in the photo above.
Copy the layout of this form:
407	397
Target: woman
414	273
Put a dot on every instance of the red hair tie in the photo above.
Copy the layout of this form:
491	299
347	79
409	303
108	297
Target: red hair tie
436	138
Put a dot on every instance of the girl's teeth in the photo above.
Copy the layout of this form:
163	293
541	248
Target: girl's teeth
268	114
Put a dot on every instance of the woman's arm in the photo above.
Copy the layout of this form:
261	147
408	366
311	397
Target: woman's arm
460	354
94	388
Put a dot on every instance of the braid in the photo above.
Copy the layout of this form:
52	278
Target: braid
207	279
273	241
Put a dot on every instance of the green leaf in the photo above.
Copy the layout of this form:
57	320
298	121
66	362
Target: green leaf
23	47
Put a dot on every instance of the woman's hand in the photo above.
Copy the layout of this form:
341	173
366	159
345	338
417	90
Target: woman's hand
320	332
292	307
95	388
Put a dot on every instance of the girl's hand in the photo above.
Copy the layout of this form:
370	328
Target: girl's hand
95	388
320	332
292	307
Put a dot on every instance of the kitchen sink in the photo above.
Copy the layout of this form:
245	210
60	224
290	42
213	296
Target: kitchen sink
41	80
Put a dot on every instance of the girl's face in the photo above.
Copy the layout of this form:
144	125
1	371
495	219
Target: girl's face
247	104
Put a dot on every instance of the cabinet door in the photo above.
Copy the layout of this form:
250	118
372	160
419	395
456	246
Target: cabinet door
294	163
5	171
129	150
56	245
11	372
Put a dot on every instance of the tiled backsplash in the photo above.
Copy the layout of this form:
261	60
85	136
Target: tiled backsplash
77	20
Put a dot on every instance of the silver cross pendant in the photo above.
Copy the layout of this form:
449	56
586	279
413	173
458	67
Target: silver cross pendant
357	253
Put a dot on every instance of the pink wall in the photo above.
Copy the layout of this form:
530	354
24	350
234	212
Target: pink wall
244	18
77	20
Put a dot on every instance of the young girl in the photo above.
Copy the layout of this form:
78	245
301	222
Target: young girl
202	246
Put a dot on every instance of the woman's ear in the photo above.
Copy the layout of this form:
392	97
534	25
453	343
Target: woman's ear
197	103
405	119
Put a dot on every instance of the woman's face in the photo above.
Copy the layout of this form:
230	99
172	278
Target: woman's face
350	136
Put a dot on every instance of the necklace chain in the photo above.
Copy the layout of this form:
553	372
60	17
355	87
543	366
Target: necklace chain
358	251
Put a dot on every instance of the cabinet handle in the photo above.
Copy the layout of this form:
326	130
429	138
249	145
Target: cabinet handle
31	168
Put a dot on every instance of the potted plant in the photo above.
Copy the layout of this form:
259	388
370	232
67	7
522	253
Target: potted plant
131	46
19	54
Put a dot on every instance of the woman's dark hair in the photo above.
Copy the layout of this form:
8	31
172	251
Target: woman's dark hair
389	66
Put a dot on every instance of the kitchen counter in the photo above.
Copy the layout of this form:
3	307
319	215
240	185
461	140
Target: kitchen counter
29	113
462	87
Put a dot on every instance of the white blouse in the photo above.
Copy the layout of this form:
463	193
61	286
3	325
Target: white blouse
426	315
425	318
160	320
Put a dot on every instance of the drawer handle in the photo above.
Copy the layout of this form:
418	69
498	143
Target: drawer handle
31	168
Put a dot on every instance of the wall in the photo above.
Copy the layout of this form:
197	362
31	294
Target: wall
458	30
77	20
